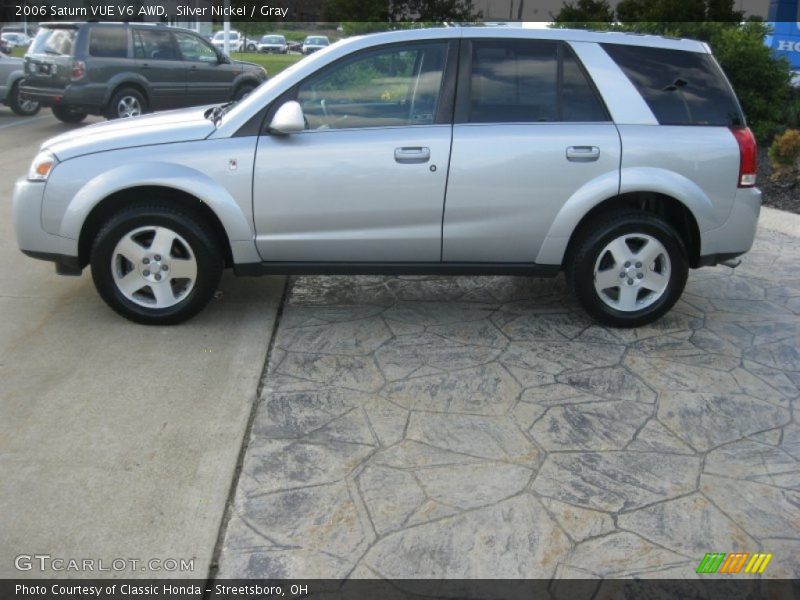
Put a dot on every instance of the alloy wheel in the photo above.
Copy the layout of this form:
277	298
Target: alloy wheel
129	106
154	267
632	272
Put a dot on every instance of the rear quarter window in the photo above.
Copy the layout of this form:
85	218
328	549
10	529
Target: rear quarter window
680	87
109	42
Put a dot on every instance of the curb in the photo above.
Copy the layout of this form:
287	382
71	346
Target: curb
779	220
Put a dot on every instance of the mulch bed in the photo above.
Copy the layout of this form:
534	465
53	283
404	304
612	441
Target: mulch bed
777	195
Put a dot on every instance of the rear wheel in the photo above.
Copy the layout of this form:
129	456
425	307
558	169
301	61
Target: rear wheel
155	264
68	114
23	107
125	103
629	269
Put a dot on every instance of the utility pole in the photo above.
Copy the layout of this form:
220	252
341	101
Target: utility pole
226	27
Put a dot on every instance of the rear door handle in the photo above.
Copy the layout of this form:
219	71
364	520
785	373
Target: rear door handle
583	153
416	154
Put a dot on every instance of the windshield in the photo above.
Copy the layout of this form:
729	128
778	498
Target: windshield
317	41
57	40
272	39
220	35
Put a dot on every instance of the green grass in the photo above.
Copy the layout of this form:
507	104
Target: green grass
273	63
18	51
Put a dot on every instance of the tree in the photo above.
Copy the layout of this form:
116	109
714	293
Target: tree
396	11
585	14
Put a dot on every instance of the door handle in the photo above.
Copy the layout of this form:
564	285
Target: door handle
583	153
417	154
146	66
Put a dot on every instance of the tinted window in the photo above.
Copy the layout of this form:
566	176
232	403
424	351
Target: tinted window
392	87
518	81
681	88
194	49
154	44
109	42
579	100
57	41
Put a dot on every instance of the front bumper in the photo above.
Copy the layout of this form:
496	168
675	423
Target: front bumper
35	241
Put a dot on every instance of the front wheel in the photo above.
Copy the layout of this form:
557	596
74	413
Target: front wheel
68	114
155	264
629	269
21	106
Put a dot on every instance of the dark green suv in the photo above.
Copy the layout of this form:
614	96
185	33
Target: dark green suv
125	69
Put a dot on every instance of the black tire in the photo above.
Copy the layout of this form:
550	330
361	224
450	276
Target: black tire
243	90
128	95
68	114
588	248
20	106
198	234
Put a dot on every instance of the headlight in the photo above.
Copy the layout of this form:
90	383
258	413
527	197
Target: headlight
41	166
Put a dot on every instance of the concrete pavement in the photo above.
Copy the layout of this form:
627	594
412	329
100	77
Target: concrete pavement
457	427
116	440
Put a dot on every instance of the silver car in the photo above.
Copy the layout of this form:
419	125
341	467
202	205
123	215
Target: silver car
623	160
12	72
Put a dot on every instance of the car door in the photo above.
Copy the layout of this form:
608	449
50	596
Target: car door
365	181
159	62
530	131
207	79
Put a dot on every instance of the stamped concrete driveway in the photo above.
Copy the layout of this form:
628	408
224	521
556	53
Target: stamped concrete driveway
483	427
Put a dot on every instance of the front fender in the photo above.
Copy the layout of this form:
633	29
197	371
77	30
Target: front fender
162	174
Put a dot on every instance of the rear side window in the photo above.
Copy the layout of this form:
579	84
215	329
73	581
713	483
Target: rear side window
528	81
680	87
109	42
154	44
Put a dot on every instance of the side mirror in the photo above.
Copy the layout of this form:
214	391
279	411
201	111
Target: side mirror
222	59
288	119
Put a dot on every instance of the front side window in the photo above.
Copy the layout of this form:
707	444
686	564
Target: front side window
194	49
529	81
109	42
154	44
393	87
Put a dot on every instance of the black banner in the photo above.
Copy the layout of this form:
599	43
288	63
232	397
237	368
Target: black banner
34	11
730	588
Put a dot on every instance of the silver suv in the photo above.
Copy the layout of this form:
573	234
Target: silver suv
622	160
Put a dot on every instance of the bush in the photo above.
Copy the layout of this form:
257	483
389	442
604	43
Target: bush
785	154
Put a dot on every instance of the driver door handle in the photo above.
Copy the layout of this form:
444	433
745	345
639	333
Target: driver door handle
415	154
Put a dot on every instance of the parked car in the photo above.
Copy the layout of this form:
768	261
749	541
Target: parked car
12	71
123	70
16	40
275	44
237	42
313	43
294	46
623	160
